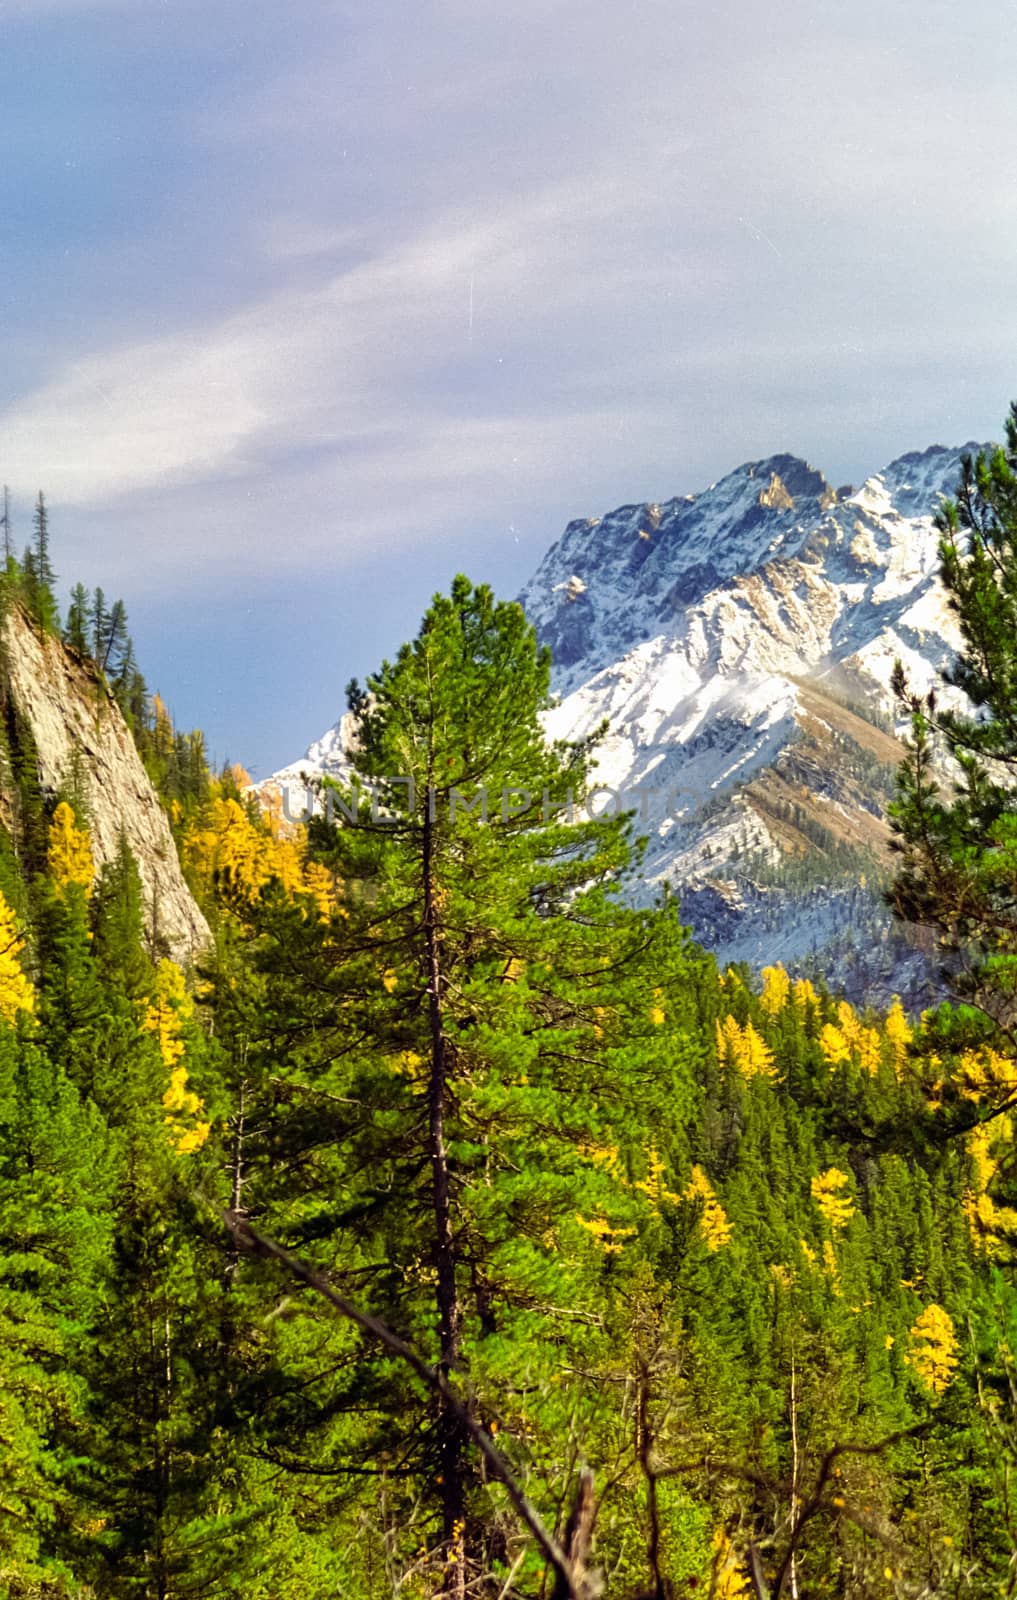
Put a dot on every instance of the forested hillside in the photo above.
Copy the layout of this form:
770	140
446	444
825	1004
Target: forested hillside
452	1224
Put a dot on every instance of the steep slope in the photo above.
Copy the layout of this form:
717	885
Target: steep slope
739	644
57	701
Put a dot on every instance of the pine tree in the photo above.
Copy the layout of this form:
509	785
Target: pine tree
40	524
959	850
10	562
99	623
118	921
40	577
116	643
461	1043
76	626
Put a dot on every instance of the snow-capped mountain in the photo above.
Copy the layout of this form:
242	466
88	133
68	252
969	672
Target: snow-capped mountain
739	643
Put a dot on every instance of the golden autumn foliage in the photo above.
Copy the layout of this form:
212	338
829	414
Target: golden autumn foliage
605	1156
828	1191
834	1045
320	885
713	1224
849	1039
803	995
608	1238
776	990
830	1267
16	993
729	1581
932	1348
744	1049
227	851
182	1108
898	1032
167	1015
714	1228
988	1224
984	1073
653	1185
163	722
70	851
408	1064
170	1008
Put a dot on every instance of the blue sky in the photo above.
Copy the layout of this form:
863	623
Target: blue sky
308	306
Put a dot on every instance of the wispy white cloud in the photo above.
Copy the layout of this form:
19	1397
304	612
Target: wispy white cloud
358	354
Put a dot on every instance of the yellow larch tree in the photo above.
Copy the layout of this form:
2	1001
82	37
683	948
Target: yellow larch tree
869	1050
899	1033
745	1049
830	1268
16	992
835	1047
756	1057
988	1224
803	995
166	1016
776	990
728	1037
605	1156
408	1064
714	1227
849	1039
168	1011
985	1074
162	735
69	852
225	846
653	1185
320	885
828	1191
932	1348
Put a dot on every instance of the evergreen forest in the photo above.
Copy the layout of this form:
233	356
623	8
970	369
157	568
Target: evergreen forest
454	1226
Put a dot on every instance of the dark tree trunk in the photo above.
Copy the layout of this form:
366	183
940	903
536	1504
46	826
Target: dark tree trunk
450	1430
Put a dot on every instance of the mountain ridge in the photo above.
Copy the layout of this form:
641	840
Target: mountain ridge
740	642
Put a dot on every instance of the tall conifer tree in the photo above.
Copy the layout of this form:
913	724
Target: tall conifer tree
476	1024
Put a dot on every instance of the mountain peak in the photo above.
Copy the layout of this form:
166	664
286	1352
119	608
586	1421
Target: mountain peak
916	483
791	480
739	643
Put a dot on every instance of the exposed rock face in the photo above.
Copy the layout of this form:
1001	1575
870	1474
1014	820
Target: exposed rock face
775	497
75	724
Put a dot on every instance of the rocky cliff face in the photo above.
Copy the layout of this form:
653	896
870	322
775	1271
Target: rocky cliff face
77	730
